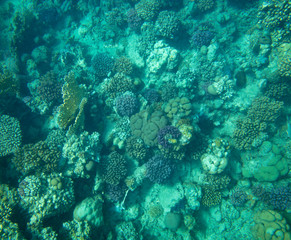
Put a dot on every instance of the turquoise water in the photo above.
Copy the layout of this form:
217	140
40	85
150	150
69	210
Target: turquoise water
147	119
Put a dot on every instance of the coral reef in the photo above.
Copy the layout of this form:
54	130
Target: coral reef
115	168
268	165
146	125
76	230
73	95
36	158
126	104
158	169
162	57
238	197
9	84
90	209
123	65
102	64
205	5
117	85
10	135
42	199
147	9
151	95
168	137
263	109
133	20
284	59
201	38
177	108
193	194
79	152
167	24
136	148
270	225
49	88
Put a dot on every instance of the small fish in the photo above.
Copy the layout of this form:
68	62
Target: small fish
288	130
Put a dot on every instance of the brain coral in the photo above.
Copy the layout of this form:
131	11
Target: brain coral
167	24
146	125
10	133
270	225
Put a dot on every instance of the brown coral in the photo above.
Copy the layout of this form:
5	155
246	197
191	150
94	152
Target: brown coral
264	109
136	148
36	158
115	168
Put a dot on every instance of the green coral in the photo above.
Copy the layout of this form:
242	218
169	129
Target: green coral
73	95
10	135
146	125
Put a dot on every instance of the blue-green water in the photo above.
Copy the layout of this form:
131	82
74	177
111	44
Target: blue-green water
150	119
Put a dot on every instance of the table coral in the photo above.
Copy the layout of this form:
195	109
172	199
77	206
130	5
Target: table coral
10	133
72	98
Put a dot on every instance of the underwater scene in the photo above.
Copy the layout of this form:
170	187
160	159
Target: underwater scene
145	119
